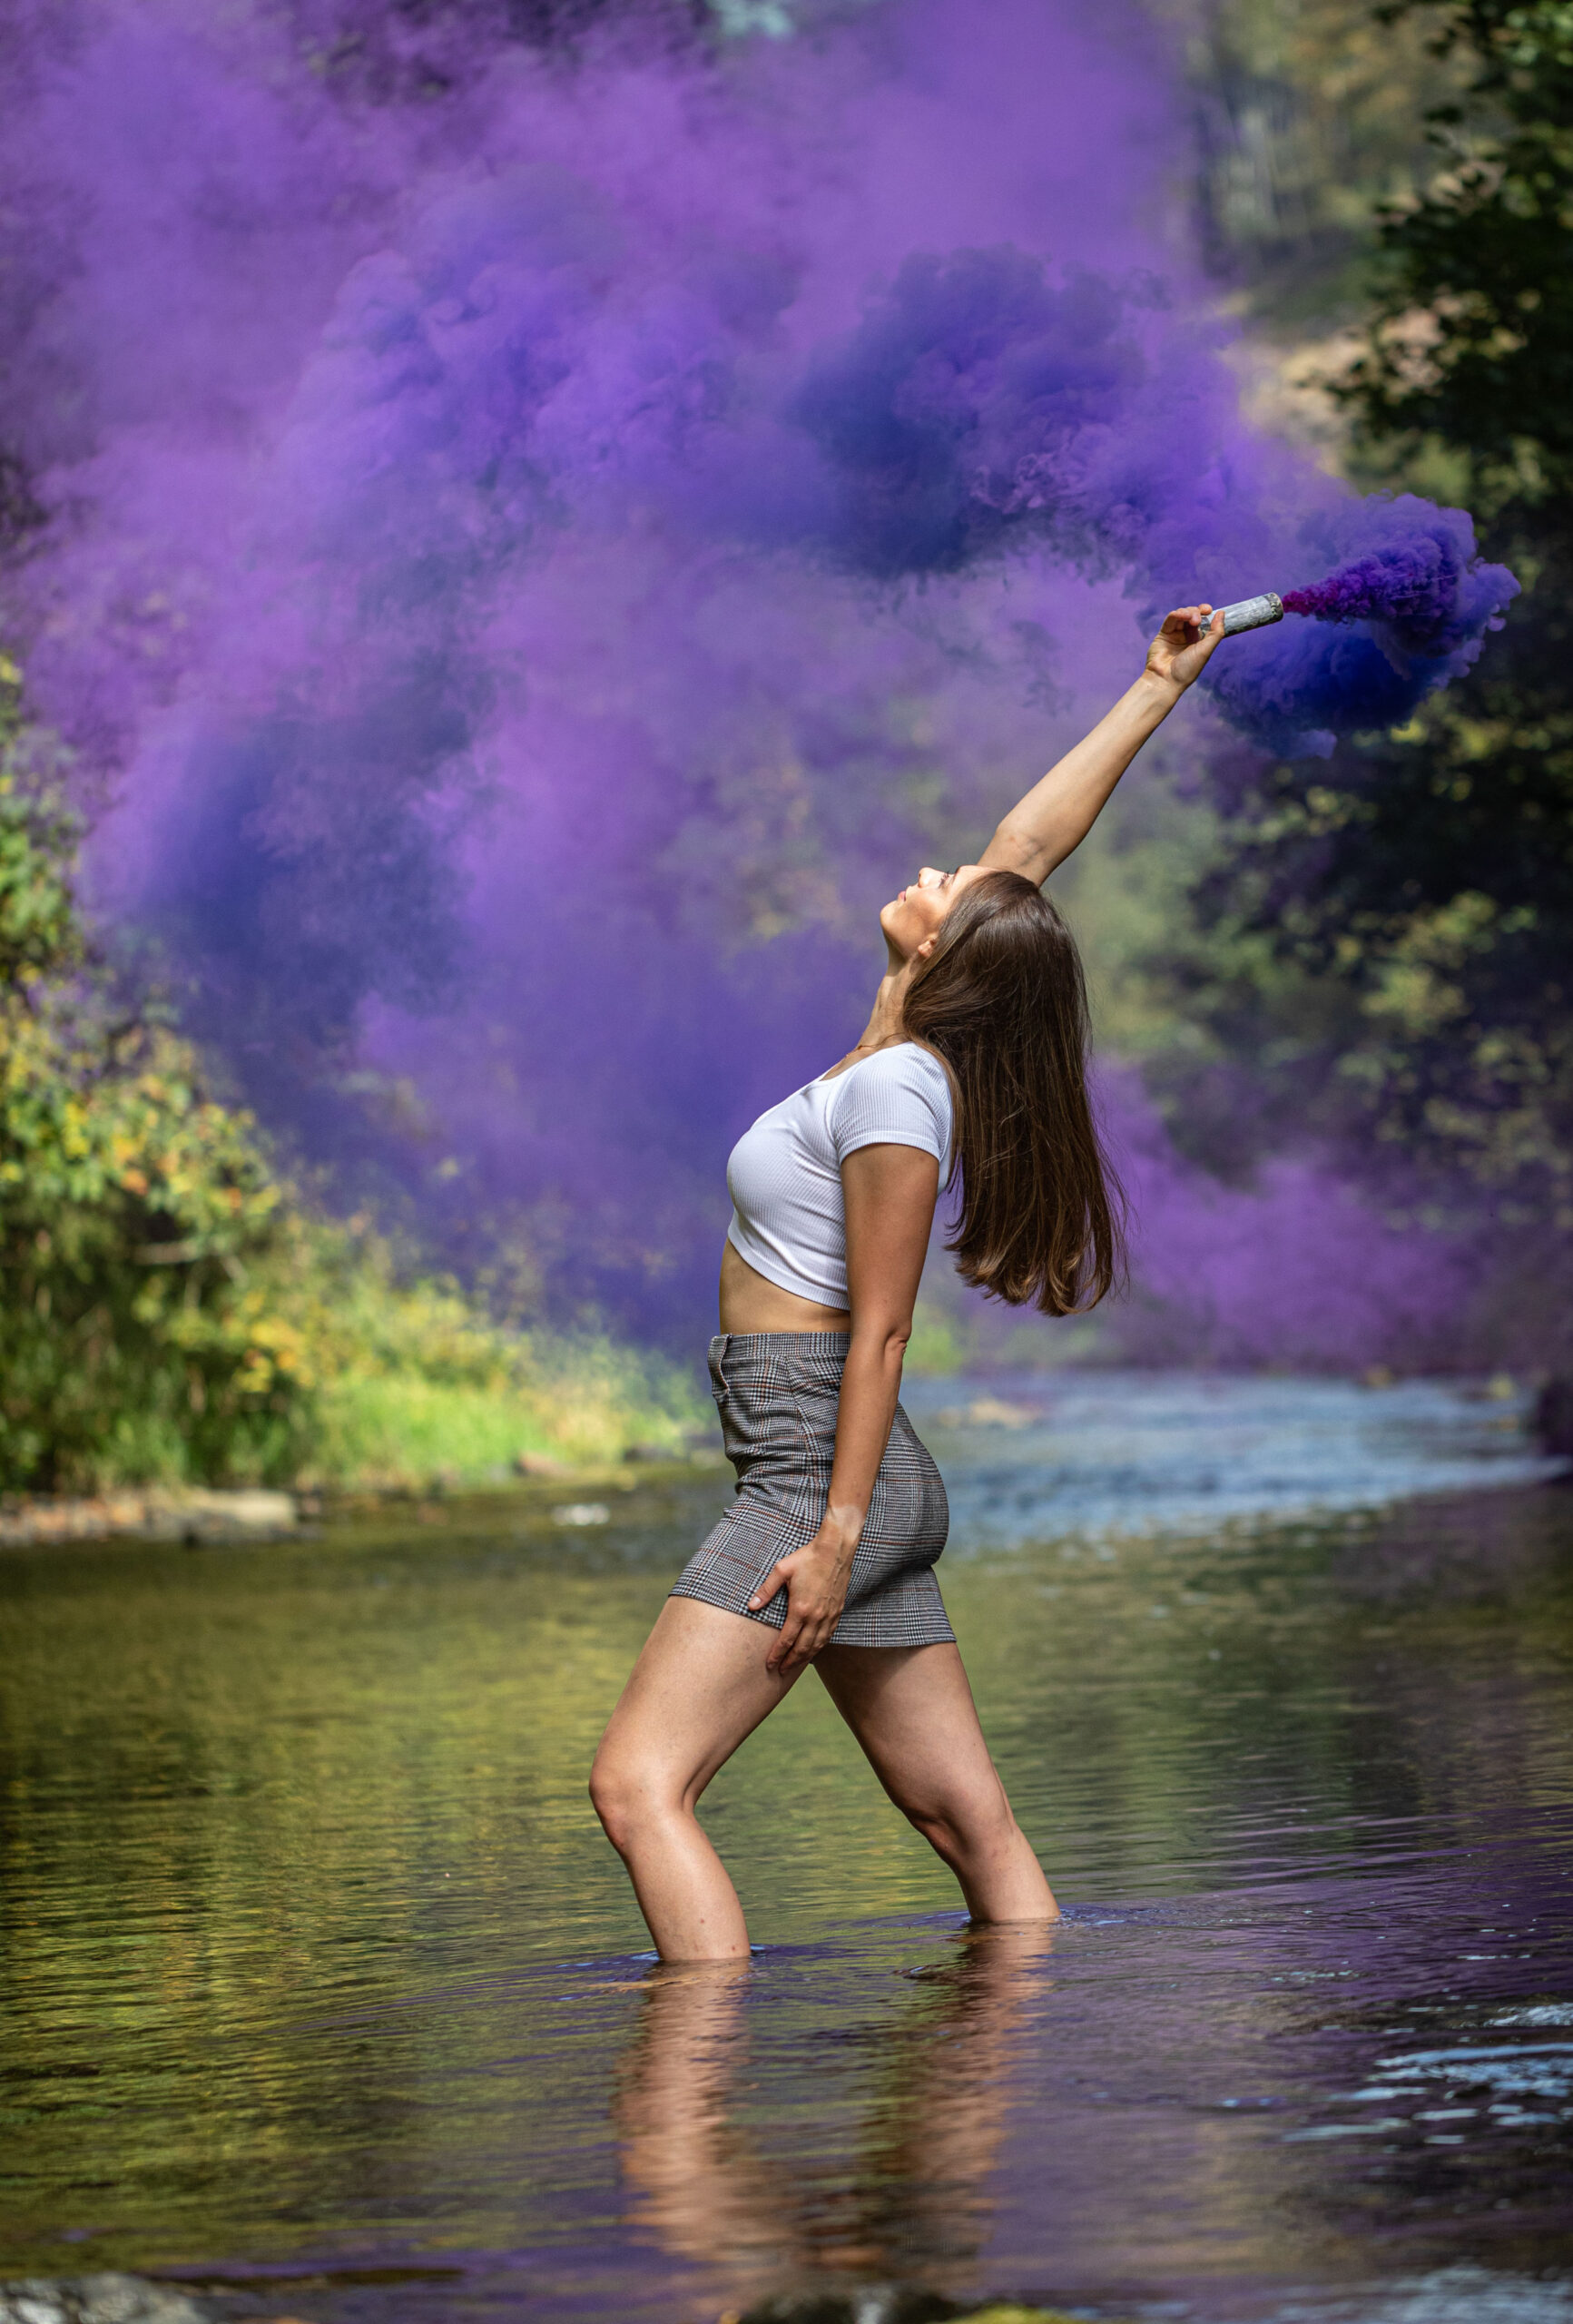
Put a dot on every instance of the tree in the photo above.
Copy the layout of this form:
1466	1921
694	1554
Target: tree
1471	340
1430	872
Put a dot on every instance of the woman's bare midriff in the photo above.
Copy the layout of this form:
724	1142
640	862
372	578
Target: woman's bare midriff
750	1301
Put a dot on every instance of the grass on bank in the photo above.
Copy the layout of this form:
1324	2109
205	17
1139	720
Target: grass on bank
410	1382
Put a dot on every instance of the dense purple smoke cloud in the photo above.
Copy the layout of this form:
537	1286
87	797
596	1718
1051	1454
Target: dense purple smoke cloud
1423	591
979	406
1412	603
538	549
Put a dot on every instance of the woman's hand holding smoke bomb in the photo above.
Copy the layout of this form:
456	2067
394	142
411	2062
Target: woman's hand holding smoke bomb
1183	647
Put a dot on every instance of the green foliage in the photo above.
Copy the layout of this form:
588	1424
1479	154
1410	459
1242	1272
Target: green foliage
1310	118
1472	340
133	1208
1426	878
39	932
168	1310
1431	877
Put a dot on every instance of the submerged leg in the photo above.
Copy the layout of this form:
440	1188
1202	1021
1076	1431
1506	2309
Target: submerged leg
698	1689
911	1709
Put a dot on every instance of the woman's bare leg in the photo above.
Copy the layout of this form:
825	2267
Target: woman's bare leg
699	1688
911	1709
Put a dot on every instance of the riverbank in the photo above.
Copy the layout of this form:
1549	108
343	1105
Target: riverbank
198	1515
572	1494
1026	1457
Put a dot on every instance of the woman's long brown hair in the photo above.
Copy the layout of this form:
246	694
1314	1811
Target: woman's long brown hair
1002	999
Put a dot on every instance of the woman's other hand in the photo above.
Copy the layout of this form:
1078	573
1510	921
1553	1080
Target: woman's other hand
815	1581
1184	644
890	1193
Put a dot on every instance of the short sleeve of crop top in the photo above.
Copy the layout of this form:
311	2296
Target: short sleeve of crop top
897	1097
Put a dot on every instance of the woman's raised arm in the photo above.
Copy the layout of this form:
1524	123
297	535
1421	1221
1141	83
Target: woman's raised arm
1058	813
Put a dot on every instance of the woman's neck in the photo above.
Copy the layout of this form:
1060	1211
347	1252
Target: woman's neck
885	1020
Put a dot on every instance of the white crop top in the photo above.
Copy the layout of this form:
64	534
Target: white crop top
785	1175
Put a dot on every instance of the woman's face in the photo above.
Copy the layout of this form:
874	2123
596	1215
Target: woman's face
913	916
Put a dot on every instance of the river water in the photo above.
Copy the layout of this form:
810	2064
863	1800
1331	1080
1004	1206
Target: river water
321	1989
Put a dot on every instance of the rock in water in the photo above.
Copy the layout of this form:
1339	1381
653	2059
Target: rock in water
96	2299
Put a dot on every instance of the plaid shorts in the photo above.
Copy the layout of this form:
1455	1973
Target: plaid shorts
778	1393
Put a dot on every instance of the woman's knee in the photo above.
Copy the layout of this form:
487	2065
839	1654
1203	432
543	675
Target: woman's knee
961	1828
628	1793
613	1794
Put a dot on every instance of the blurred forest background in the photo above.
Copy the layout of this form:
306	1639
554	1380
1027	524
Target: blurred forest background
1376	952
1364	958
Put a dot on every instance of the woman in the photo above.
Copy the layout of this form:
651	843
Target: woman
974	1053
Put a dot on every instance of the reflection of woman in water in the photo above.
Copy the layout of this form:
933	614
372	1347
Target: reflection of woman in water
916	2204
973	1066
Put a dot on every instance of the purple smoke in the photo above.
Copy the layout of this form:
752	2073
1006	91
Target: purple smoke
538	548
979	407
1413	601
1347	1286
1424	591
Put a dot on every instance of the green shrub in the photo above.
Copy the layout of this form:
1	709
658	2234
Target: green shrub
168	1310
134	1210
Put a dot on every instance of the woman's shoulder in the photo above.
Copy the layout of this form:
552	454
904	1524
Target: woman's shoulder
904	1078
905	1065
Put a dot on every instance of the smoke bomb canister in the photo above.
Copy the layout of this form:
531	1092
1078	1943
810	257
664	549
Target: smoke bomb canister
1253	612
